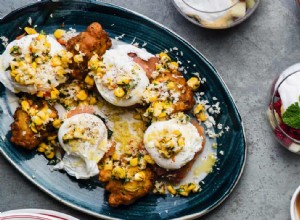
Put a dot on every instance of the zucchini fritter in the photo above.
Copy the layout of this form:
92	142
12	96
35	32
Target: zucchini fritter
33	122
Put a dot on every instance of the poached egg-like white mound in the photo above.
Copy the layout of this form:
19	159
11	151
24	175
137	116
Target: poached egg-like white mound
41	78
119	64
84	139
192	142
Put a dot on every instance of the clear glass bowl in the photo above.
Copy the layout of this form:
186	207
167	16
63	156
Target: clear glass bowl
287	136
216	14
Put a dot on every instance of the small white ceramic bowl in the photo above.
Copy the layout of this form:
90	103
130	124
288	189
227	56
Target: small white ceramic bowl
293	211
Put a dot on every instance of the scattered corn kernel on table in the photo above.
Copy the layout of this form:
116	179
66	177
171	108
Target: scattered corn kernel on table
248	57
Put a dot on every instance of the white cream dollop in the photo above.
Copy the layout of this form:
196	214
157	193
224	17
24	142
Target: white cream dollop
118	63
288	82
212	6
193	142
84	140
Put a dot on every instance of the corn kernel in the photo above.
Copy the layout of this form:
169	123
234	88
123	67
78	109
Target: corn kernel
198	108
37	120
47	44
50	154
25	105
42	147
33	65
60	70
82	95
191	187
108	165
32	127
171	190
140	176
40	94
56	61
29	30
171	85
184	193
54	93
56	123
134	162
89	80
152	98
119	172
52	137
176	132
173	66
194	83
202	116
149	159
41	37
38	60
78	58
93	100
164	57
59	33
181	141
119	92
162	115
115	156
42	115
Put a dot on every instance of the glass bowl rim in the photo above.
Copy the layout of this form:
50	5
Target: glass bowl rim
273	110
211	12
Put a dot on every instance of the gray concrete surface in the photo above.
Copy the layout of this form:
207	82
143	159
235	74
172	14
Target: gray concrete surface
248	58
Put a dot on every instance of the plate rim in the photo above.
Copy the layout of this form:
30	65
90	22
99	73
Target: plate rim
99	215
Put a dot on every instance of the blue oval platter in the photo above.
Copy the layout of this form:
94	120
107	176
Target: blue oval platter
89	196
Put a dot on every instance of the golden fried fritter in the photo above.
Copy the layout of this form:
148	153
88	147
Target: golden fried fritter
94	40
125	192
186	100
25	132
175	176
22	135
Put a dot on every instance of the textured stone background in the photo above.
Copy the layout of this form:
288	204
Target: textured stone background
248	58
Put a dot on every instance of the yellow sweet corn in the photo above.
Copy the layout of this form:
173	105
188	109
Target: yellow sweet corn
140	176
25	105
29	30
59	33
202	116
42	147
193	83
37	120
55	61
93	100
50	154
198	108
149	159
54	93
82	95
89	80
119	172
171	85
119	92
171	190
57	123
78	58
134	162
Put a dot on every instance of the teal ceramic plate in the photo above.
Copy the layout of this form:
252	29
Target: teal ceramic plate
89	195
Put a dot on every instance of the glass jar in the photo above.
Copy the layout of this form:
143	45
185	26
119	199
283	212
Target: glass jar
285	93
216	14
